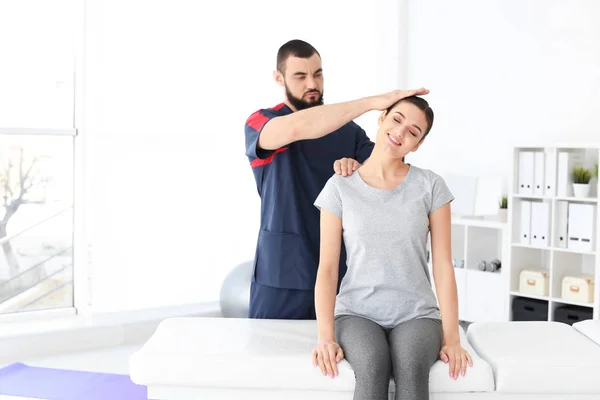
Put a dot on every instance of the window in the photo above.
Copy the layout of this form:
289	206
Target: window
37	153
36	222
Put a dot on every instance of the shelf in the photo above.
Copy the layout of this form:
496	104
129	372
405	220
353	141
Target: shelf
572	303
531	197
529	296
485	273
545	247
468	271
528	246
578	199
553	299
577	146
479	222
556	198
558	145
584	253
555	249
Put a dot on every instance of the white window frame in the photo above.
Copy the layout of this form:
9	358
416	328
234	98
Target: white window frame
77	224
81	188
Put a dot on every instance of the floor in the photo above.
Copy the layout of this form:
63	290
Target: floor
112	360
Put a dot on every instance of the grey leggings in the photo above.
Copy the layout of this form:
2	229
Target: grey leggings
407	351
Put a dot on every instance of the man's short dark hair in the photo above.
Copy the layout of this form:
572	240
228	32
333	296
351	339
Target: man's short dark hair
297	48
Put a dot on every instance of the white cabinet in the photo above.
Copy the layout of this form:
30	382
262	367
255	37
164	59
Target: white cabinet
485	294
553	231
481	294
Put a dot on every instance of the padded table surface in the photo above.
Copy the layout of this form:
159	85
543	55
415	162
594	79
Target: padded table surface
538	357
261	354
590	328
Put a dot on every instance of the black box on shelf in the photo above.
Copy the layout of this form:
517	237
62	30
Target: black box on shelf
526	309
571	314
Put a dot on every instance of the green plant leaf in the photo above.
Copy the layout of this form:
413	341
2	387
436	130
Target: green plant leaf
581	175
503	203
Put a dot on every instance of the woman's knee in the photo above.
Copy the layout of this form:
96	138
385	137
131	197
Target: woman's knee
416	346
373	367
366	348
413	365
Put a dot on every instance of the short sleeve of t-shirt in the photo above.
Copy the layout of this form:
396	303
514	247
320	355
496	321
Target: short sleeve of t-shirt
364	146
440	193
329	198
253	127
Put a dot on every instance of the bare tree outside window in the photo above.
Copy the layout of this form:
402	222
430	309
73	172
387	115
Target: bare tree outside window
35	222
21	182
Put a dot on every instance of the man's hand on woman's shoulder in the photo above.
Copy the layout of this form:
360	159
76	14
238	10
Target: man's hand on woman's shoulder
345	166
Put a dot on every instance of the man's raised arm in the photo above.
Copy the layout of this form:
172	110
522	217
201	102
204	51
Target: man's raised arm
316	122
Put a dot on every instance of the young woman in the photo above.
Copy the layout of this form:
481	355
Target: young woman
385	320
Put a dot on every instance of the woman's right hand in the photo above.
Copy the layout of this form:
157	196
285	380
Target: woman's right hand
326	355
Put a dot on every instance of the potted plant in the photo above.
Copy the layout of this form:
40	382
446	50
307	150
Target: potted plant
503	211
581	182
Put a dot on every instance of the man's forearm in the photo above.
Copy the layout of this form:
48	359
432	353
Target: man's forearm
316	122
311	123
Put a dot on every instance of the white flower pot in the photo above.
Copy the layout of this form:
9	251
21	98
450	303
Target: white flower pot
503	214
581	189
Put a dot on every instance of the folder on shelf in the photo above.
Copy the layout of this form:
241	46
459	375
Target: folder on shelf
540	224
581	226
550	173
525	222
526	172
561	224
567	162
539	173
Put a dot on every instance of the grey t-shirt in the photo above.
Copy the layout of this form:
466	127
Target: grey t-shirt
385	233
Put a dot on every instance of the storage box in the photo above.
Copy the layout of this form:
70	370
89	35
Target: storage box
571	314
524	309
534	282
578	288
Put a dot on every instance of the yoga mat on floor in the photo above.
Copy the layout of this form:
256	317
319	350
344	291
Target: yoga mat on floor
58	384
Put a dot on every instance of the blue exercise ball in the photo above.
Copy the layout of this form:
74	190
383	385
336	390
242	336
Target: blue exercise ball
235	291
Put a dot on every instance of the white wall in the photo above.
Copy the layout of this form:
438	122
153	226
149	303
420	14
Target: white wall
36	71
504	71
168	86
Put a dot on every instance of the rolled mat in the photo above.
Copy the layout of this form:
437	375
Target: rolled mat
59	384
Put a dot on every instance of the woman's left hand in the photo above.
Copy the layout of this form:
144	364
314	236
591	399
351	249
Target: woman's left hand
457	357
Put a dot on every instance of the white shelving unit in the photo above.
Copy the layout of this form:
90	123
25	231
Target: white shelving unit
555	258
481	294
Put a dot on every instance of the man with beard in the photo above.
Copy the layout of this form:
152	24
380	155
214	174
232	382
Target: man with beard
292	148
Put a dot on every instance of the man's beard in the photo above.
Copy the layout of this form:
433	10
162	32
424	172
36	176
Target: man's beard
301	104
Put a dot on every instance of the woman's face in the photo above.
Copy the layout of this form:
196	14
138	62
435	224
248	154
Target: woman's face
402	130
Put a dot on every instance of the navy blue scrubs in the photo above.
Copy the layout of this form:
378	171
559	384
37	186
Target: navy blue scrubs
288	181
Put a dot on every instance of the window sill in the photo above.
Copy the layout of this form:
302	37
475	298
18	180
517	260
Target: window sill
25	338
